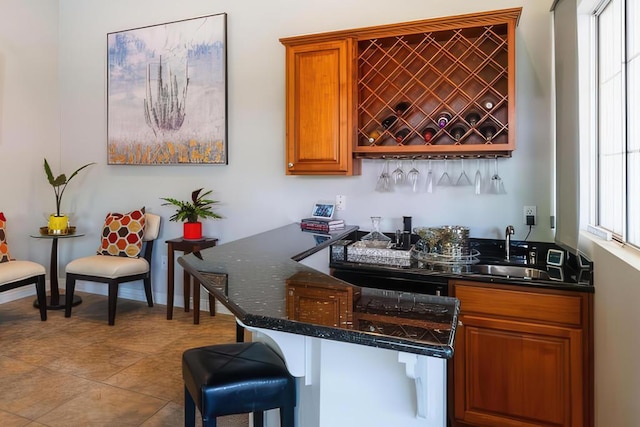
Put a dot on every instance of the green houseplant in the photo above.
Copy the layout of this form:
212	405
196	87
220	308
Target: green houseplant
190	211
58	223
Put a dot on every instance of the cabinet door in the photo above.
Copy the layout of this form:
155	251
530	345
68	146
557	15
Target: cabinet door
510	373
319	306
320	108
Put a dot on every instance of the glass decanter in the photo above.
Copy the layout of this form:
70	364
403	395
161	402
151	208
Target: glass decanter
375	234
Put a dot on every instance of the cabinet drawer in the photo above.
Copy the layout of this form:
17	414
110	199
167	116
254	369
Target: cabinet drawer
560	308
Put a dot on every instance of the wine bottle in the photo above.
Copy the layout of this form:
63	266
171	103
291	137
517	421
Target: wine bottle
488	132
443	119
375	134
402	108
401	134
428	133
488	103
472	118
389	121
458	132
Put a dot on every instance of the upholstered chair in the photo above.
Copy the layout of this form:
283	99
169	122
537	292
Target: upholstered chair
117	260
15	274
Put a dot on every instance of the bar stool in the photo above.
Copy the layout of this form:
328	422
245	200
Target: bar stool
236	378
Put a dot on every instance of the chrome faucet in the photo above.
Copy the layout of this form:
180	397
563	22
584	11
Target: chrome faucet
507	241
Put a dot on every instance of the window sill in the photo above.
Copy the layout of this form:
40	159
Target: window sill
588	244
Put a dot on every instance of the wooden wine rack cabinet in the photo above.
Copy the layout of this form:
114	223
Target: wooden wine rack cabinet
450	65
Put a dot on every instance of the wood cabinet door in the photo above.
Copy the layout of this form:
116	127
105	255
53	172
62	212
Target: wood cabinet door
328	307
510	373
320	108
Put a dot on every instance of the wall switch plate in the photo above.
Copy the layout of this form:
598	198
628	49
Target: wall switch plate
341	203
529	211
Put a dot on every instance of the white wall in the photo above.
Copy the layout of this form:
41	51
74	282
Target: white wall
29	119
255	193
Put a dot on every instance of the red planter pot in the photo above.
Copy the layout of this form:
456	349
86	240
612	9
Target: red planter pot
192	230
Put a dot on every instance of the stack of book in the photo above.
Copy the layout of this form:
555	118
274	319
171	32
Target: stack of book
321	225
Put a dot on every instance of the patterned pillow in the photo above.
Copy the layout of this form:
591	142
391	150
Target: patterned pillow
4	248
122	234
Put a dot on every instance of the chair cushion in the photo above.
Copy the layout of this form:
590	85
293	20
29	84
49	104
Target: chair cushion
122	234
238	378
111	267
4	247
19	270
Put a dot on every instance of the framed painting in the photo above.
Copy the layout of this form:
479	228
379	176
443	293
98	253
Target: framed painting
167	93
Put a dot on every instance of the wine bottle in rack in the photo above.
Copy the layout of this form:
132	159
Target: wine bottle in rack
488	103
375	134
488	132
402	134
428	133
458	132
389	121
443	119
402	108
472	118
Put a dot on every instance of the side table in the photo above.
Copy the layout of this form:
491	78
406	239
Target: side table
187	246
56	301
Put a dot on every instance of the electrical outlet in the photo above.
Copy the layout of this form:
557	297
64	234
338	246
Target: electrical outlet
529	215
165	262
341	203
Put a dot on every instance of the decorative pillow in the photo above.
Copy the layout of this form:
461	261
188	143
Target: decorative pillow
4	248
122	234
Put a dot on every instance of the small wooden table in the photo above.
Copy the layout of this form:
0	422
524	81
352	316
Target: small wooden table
187	246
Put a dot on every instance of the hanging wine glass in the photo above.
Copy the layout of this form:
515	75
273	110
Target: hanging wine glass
413	176
430	178
384	180
463	179
444	180
496	185
478	180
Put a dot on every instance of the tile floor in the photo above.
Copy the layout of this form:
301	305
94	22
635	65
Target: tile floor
81	372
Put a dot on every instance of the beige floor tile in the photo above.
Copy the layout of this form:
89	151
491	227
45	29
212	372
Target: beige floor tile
103	405
10	420
79	371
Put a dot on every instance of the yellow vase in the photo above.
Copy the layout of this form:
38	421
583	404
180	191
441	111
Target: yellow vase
58	224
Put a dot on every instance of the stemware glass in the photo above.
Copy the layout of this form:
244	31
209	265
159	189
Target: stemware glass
496	186
430	178
398	174
376	235
413	176
384	180
444	179
478	180
463	179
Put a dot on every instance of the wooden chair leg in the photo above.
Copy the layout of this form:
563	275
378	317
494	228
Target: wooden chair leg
212	305
70	289
113	299
147	291
42	297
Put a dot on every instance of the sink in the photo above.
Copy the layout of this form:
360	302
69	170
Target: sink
510	271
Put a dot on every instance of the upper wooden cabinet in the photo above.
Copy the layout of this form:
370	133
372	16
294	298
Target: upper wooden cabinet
383	91
320	125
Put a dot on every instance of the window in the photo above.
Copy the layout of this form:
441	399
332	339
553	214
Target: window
617	144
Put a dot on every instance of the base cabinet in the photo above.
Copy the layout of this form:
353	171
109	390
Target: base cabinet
522	358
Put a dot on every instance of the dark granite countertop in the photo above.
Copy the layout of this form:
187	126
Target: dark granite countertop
253	278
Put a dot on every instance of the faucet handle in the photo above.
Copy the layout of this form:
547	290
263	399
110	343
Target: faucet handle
510	230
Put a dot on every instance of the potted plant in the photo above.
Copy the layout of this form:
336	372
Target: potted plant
58	223
190	212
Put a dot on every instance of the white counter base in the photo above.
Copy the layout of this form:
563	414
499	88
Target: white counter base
346	385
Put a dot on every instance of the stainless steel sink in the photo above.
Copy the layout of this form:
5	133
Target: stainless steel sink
515	271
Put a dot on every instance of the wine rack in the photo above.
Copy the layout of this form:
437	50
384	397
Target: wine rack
455	86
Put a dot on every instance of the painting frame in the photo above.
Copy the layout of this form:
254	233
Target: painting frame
167	93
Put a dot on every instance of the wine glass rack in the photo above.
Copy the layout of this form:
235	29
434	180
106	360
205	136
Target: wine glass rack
442	90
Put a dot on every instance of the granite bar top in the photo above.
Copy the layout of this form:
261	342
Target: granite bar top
259	279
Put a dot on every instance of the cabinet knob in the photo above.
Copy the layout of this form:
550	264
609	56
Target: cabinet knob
460	323
290	164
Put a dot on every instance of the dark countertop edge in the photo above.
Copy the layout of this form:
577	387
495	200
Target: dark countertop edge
333	236
352	336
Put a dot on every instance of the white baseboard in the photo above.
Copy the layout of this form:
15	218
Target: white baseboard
131	291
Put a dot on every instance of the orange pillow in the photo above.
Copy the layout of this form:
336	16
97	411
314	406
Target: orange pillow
122	234
4	247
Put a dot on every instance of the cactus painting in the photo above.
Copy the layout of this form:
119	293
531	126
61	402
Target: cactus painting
166	93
